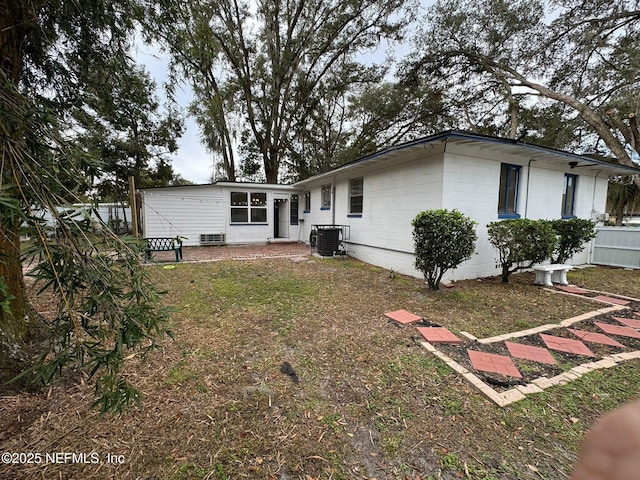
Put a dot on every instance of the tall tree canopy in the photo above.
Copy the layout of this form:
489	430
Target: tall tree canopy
54	56
121	122
508	66
273	67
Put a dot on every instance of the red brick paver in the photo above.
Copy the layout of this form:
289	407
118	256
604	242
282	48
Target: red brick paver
571	289
566	345
594	337
618	330
403	317
438	335
490	362
615	301
529	352
629	322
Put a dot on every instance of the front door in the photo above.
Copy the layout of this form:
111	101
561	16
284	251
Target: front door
281	218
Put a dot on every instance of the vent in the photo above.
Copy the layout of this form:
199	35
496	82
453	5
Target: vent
212	239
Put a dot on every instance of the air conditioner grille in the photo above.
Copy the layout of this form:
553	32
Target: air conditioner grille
212	239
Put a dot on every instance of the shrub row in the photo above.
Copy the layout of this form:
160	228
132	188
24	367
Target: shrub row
444	239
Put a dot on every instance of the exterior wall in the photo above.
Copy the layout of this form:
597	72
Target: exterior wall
395	192
472	186
393	195
184	211
190	211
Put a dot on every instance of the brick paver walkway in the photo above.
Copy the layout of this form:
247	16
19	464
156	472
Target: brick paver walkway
227	252
503	365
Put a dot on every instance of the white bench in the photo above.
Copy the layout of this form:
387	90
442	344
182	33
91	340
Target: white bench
547	275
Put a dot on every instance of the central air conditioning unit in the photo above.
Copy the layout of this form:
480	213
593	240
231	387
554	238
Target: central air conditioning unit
208	239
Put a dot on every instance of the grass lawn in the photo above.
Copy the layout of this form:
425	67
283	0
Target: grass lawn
371	402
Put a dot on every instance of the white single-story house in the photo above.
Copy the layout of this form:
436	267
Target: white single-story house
376	197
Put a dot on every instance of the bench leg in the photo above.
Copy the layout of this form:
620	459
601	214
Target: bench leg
540	278
560	276
543	278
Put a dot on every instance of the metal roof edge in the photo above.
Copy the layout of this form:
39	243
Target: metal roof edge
223	183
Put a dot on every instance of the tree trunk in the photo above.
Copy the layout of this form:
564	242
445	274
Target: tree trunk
505	273
271	164
14	320
619	213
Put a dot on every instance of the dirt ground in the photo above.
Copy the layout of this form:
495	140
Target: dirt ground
370	402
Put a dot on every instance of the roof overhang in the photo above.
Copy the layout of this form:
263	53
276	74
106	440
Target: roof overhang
490	146
239	185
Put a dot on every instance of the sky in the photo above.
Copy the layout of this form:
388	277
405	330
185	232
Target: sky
192	161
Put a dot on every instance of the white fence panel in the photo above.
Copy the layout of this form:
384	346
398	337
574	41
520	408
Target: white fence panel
617	247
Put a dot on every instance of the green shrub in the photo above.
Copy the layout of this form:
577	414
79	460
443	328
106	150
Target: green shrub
573	236
521	243
443	239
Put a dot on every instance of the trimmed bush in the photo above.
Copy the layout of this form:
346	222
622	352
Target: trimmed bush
573	236
521	243
443	239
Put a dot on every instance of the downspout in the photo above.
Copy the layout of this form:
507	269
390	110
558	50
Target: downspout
444	162
526	198
593	200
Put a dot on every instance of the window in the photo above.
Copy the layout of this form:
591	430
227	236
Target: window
326	197
356	196
569	195
307	202
248	207
508	196
293	211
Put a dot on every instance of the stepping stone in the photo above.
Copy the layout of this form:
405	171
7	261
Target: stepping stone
566	345
490	362
571	289
618	330
594	337
615	301
529	352
403	317
629	322
438	335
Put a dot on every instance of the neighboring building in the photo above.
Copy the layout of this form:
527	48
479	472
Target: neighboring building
378	196
115	215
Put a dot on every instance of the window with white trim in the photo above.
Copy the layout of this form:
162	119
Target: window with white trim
326	197
356	196
307	202
293	211
569	195
248	207
508	195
